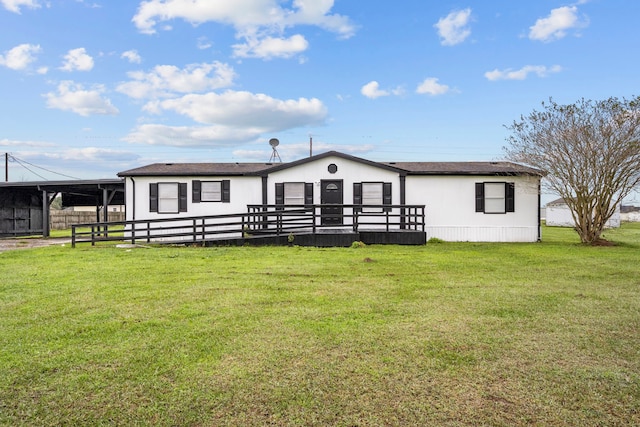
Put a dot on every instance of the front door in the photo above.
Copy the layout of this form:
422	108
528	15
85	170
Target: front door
331	194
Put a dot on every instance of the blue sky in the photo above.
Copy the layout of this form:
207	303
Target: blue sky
92	87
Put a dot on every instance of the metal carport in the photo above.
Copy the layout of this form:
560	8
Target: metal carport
25	206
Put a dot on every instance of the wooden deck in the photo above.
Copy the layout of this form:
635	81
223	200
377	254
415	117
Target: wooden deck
332	237
307	225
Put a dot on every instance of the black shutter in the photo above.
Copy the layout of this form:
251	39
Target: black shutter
182	197
279	195
196	190
308	193
479	197
386	195
357	195
153	197
226	191
510	195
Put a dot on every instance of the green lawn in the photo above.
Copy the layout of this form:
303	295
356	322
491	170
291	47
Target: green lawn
446	334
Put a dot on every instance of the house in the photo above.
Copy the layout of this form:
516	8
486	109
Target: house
558	214
464	201
629	213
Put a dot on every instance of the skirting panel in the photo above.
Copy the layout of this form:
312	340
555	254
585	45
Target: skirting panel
484	234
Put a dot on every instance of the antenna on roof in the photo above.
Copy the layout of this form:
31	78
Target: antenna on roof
273	142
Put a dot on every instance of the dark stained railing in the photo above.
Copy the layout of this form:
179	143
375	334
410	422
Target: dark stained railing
259	220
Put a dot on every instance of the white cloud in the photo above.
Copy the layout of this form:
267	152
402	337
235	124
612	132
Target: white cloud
245	109
97	155
86	154
430	86
556	25
14	143
132	56
166	80
14	5
190	136
82	162
90	5
317	12
203	43
372	90
271	47
228	118
259	23
77	60
20	57
453	28
522	73
73	97
243	14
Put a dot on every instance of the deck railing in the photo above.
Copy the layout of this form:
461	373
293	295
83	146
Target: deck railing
259	220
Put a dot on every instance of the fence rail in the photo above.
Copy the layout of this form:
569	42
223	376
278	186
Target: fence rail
259	220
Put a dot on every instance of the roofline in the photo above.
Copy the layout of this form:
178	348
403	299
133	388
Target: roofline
125	174
44	184
458	173
389	166
332	154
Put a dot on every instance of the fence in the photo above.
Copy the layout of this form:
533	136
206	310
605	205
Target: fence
63	220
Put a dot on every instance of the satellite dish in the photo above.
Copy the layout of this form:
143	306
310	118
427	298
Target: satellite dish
273	142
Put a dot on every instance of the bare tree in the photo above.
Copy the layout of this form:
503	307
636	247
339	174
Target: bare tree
590	151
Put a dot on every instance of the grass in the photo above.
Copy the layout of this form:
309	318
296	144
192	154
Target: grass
448	334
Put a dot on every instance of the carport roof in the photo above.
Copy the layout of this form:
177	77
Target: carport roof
87	187
83	192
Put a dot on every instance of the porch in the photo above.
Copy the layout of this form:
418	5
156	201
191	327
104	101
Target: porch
303	225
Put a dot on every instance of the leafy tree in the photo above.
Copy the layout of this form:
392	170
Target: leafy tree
56	203
590	151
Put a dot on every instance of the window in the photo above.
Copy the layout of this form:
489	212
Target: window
294	193
495	197
372	193
168	197
211	191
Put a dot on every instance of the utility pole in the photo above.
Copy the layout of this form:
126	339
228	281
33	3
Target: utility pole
310	145
6	167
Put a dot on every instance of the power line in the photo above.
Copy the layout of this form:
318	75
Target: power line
22	163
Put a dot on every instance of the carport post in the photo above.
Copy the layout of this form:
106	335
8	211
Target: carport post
45	214
105	203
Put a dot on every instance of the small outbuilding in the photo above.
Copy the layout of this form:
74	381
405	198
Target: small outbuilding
25	206
558	214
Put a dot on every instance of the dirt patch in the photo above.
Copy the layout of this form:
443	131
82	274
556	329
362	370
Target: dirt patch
603	242
28	243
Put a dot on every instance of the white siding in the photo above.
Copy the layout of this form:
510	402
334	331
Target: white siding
483	234
243	191
451	215
348	171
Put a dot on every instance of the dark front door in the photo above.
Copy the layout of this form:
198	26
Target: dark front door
331	194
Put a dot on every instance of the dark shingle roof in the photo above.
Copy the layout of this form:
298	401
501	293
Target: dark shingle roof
465	168
195	169
409	168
